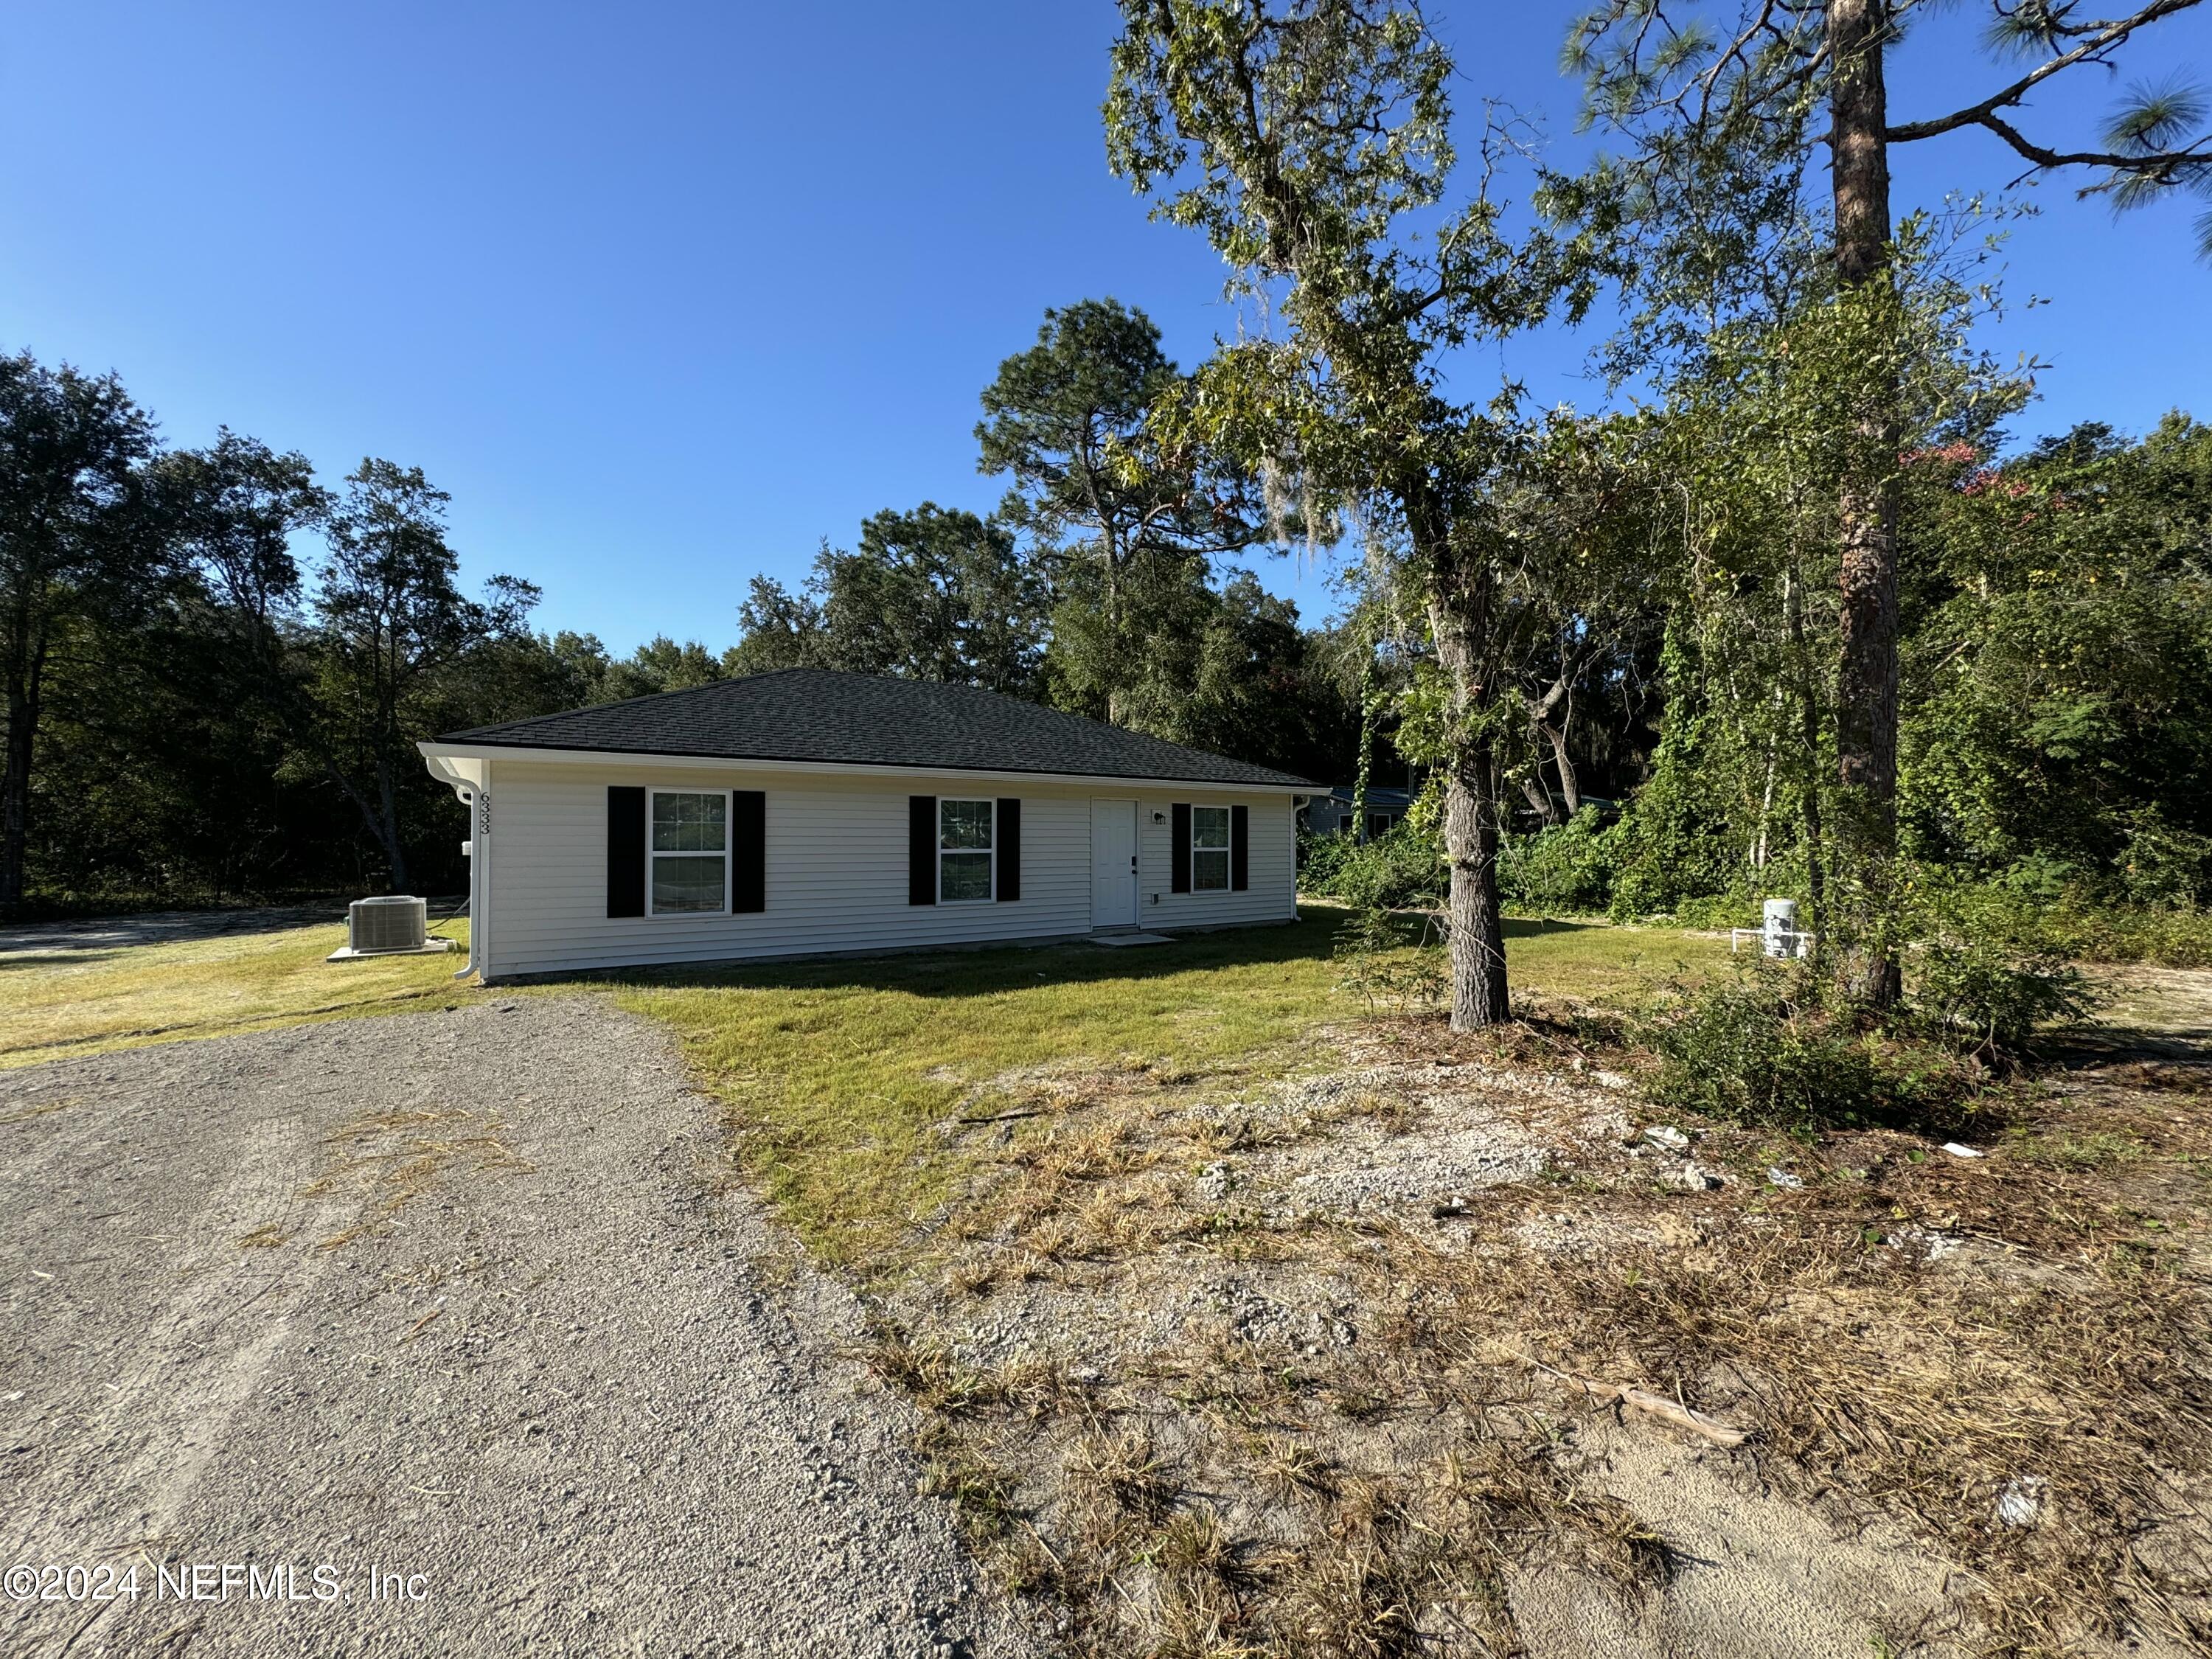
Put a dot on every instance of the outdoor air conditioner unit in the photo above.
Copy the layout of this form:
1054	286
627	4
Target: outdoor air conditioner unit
397	922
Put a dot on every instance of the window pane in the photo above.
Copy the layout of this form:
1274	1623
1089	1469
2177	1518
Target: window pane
966	876
1209	826
963	823
1209	870
681	884
689	823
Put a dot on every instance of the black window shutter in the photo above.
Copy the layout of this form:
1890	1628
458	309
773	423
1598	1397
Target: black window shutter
921	849
1179	851
1239	846
1007	844
748	850
625	851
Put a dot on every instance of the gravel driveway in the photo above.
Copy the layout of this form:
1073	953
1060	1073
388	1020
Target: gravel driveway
443	1306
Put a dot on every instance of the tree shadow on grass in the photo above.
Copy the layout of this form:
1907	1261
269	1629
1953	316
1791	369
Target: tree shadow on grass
990	969
50	960
82	938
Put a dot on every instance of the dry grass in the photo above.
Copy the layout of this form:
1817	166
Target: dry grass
393	1158
1230	1495
844	1078
1882	1384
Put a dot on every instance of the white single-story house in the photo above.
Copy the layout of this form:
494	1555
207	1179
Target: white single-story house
804	812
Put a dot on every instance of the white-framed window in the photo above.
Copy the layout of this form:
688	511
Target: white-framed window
1382	823
1209	849
964	852
688	853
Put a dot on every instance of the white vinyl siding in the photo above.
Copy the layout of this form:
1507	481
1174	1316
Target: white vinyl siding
1271	867
836	867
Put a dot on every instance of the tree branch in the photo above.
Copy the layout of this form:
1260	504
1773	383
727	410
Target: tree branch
2028	149
2093	48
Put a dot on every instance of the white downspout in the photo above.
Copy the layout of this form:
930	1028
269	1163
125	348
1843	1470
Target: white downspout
476	797
480	880
472	850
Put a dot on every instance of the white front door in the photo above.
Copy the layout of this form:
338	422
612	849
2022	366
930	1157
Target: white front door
1113	864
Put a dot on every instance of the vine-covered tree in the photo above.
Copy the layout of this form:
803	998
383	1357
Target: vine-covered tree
1725	124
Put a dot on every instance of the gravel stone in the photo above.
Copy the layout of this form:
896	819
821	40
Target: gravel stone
274	1300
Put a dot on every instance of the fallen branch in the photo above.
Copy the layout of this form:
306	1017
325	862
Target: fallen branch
1673	1411
1670	1412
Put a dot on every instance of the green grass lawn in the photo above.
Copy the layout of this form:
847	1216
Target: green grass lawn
837	1073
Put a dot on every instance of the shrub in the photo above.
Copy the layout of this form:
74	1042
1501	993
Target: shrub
1403	868
1321	860
2035	914
1718	912
1564	870
1759	1050
1382	963
1975	992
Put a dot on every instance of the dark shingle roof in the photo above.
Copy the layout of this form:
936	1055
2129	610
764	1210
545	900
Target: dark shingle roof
814	715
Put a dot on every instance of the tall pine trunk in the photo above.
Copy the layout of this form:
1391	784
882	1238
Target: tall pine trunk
1808	717
1859	32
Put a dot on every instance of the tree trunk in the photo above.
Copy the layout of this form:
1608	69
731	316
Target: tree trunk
1459	616
1866	687
1478	929
16	796
1533	792
1809	711
1570	789
388	828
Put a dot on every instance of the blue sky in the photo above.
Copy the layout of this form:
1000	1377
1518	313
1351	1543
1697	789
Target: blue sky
666	293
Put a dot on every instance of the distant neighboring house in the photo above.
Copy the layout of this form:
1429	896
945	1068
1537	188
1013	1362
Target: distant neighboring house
1333	814
805	812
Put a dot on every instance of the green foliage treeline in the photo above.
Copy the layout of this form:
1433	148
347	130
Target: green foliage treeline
200	707
2055	730
191	711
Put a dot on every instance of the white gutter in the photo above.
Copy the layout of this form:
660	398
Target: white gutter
486	752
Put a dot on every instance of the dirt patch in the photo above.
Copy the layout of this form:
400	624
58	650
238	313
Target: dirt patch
1321	1366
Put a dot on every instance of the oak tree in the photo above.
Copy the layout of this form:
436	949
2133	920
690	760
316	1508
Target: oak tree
1310	140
